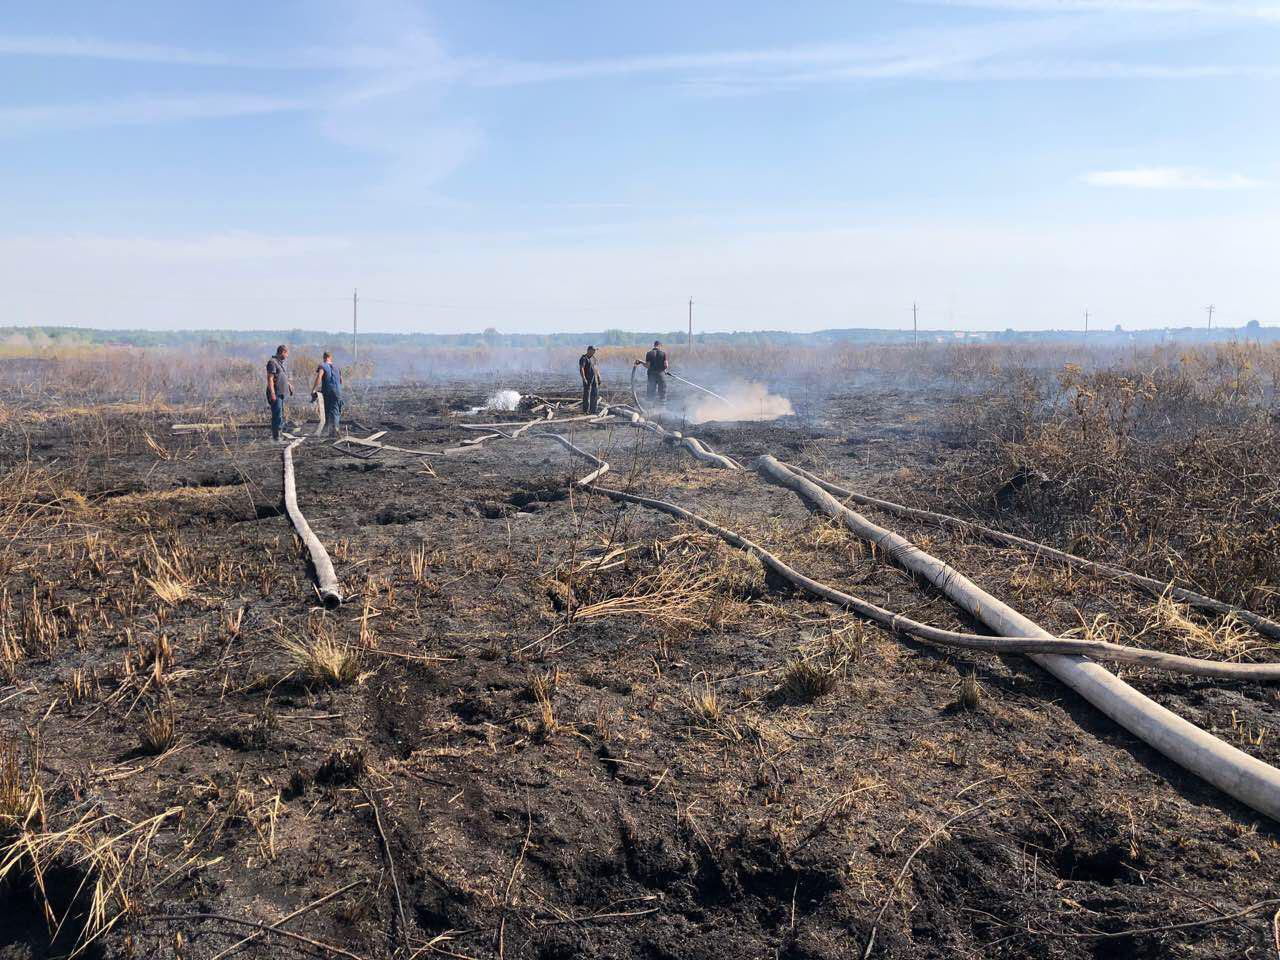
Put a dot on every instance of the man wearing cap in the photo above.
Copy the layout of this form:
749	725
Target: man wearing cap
590	381
655	361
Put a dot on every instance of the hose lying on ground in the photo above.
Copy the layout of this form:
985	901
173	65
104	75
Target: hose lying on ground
696	447
1198	600
445	452
326	580
601	466
950	638
524	424
549	415
1249	780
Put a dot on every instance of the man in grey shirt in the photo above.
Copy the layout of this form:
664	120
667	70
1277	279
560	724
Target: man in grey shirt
278	387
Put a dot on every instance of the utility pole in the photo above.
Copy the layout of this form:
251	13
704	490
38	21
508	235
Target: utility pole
1210	316
1086	324
691	324
915	327
355	344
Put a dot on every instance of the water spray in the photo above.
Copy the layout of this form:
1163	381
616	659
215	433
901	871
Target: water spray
698	387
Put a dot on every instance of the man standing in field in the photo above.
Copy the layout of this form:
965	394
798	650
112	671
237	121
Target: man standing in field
590	381
278	387
655	361
328	383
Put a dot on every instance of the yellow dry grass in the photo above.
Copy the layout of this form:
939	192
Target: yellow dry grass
324	660
144	498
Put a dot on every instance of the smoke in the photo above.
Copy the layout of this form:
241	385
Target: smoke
742	401
503	400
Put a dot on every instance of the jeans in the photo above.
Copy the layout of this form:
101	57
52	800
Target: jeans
590	397
657	384
332	414
277	416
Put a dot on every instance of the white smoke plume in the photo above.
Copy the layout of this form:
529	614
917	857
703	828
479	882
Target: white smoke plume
503	400
742	401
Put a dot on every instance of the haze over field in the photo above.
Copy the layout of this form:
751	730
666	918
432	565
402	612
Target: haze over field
565	167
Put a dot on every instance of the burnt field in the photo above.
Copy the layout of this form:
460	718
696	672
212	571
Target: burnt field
547	724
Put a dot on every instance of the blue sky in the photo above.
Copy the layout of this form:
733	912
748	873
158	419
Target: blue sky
559	166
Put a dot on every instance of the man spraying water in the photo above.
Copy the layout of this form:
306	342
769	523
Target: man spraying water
655	362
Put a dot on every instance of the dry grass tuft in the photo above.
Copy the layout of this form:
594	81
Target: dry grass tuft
702	585
325	660
233	622
1231	639
543	684
704	704
156	734
418	564
170	588
81	686
10	654
542	690
110	859
806	680
21	799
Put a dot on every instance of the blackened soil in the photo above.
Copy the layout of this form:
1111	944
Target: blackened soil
633	784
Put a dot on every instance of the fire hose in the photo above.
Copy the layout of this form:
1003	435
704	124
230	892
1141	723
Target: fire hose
1249	780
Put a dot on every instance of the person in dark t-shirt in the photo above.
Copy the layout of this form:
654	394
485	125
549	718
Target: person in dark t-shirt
328	383
655	361
590	381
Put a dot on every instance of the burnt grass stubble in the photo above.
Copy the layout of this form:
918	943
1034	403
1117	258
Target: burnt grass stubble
630	785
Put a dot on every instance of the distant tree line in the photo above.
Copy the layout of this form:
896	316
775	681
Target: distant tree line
491	337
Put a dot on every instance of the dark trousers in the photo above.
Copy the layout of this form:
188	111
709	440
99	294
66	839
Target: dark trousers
657	385
277	416
590	397
332	414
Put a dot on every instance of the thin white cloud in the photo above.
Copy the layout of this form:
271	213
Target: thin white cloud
369	57
913	52
396	72
1169	178
93	48
62	117
1117	70
1229	8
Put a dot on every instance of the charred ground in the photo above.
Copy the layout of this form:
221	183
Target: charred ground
544	725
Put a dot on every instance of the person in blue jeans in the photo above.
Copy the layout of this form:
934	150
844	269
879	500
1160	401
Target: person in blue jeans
328	382
278	387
